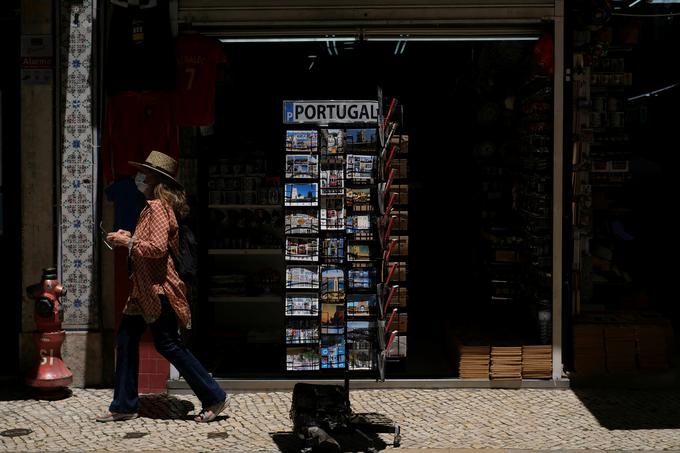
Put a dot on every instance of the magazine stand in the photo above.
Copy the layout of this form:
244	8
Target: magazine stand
337	250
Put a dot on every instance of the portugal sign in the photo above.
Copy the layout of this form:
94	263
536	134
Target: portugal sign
330	112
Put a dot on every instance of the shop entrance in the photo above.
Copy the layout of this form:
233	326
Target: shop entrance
478	118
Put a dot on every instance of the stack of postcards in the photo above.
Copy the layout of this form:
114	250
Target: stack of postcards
473	362
506	362
537	362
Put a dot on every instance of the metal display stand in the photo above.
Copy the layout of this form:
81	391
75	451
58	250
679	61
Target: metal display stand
337	173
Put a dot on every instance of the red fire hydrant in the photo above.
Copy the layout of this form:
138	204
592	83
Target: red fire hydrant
50	373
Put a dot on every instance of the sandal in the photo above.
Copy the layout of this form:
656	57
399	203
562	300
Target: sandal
210	413
116	416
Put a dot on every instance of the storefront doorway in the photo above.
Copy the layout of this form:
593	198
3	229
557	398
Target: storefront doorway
478	265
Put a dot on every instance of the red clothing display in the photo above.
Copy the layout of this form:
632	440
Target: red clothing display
137	122
197	60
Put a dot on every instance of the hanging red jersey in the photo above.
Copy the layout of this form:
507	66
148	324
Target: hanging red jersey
197	60
137	122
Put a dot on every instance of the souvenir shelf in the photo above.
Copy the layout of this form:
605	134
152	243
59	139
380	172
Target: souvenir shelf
608	337
242	248
534	201
601	157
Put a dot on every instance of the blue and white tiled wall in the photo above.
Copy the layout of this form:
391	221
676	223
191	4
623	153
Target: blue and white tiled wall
78	166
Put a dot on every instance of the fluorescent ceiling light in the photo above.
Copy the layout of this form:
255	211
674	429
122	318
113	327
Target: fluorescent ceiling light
296	39
453	38
634	3
334	39
653	93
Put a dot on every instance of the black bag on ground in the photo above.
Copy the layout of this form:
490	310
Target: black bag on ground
186	259
325	406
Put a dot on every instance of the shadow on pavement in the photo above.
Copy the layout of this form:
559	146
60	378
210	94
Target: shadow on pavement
165	407
629	409
349	441
362	435
14	391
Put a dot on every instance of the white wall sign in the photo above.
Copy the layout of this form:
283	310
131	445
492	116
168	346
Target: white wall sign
330	112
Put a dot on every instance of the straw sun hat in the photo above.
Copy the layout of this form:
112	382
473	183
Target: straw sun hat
161	165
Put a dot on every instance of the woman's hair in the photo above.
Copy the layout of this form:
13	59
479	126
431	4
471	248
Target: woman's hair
174	196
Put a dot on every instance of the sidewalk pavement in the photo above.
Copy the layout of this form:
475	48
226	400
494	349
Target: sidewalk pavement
448	420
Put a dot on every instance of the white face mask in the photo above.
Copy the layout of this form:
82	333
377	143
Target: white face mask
140	179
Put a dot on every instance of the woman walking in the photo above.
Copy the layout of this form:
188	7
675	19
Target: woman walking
158	295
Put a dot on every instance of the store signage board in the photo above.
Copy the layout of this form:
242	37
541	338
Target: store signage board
330	112
37	59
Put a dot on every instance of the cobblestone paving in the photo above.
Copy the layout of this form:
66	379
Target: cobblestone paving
451	418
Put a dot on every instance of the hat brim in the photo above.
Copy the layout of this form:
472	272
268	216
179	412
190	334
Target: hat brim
164	176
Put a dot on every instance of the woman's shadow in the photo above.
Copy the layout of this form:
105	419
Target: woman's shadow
166	407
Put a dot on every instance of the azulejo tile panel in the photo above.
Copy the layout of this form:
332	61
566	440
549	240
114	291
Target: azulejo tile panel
78	166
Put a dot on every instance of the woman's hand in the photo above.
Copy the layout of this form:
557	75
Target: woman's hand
119	238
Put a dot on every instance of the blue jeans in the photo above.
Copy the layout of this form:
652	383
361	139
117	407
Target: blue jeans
167	343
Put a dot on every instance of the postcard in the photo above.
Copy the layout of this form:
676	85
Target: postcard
400	168
332	141
398	347
400	247
401	324
360	168
332	283
302	141
302	305
397	295
401	297
362	278
302	194
302	166
401	221
332	213
402	142
358	252
332	351
300	331
362	304
361	356
333	249
332	182
402	193
302	277
333	318
357	223
359	199
302	249
302	222
305	358
361	331
361	140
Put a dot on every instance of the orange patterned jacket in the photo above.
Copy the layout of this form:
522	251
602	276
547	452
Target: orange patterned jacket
153	270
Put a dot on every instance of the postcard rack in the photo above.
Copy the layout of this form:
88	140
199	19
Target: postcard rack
346	244
344	248
331	247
